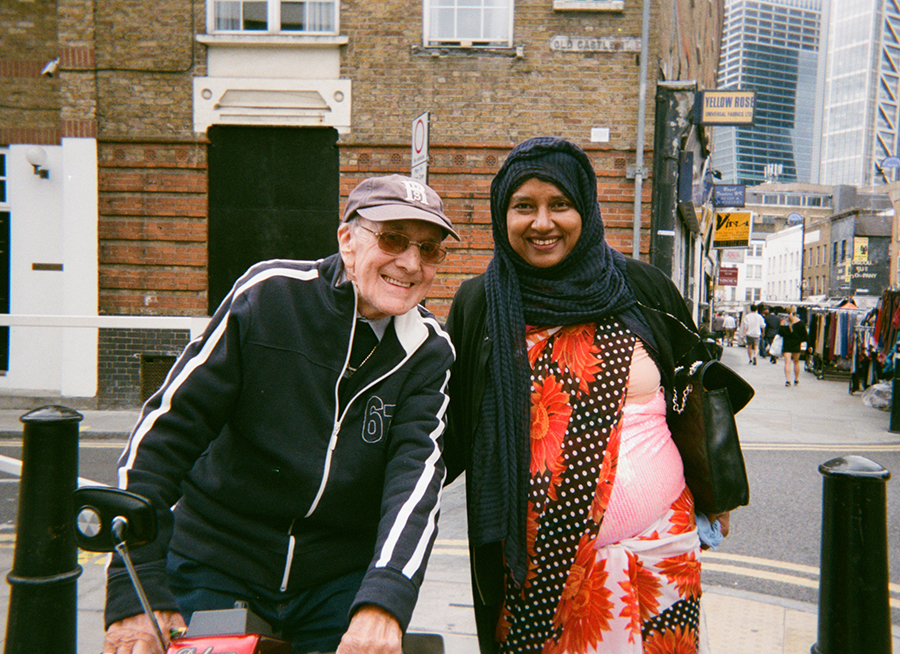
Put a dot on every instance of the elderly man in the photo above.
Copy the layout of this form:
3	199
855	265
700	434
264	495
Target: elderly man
299	442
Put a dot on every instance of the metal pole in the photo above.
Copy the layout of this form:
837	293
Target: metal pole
43	595
854	609
642	111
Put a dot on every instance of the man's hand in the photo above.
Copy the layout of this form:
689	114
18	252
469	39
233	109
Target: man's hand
372	631
135	635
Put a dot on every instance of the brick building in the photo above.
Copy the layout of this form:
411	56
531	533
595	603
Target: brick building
186	139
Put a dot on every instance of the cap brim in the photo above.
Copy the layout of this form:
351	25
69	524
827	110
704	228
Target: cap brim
403	211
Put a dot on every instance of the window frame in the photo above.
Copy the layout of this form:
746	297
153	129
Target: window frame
273	17
430	42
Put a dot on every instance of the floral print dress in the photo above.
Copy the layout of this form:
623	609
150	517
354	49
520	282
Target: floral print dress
640	595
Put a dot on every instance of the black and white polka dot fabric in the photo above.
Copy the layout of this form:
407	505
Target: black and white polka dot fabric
578	598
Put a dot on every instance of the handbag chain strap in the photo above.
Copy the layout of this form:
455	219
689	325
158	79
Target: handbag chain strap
687	389
684	397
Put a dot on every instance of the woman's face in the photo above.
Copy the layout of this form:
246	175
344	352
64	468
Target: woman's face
542	224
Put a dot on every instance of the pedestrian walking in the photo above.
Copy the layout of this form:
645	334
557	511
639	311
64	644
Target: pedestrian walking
752	327
729	325
773	322
795	335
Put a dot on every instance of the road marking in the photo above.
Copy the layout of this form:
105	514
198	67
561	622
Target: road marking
773	576
821	447
753	560
445	551
761	574
101	445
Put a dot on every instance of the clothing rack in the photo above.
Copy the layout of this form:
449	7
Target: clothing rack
833	336
865	367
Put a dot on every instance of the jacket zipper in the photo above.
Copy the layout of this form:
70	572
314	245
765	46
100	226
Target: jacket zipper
332	444
290	556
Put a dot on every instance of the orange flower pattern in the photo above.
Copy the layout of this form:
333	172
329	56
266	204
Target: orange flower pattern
550	412
637	597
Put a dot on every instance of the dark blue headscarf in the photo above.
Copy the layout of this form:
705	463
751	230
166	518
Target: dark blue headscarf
587	285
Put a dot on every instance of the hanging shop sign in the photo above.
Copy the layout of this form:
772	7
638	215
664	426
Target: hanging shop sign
732	229
726	107
729	195
728	276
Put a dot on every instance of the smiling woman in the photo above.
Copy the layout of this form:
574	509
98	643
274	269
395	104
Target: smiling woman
542	224
582	529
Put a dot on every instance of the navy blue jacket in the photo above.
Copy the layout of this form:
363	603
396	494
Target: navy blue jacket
274	478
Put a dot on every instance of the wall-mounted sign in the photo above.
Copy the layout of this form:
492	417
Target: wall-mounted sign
794	218
564	43
732	229
729	195
726	107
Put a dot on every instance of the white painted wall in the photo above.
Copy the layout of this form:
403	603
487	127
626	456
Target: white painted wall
53	221
783	262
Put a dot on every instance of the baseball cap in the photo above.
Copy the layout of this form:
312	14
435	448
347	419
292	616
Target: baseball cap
397	197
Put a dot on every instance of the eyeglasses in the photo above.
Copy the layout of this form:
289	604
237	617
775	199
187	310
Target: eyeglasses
396	243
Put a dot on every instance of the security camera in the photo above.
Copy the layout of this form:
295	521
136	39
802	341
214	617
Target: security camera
51	68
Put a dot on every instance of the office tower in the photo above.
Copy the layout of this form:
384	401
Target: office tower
771	47
860	121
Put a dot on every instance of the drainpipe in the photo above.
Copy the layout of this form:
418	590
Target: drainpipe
642	102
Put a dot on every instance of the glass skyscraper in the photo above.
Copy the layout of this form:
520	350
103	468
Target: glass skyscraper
862	93
771	47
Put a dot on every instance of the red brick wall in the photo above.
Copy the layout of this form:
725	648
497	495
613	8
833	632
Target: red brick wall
462	177
152	228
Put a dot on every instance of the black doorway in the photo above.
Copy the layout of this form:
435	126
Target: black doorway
273	194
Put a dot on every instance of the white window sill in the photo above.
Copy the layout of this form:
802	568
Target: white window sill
261	40
589	5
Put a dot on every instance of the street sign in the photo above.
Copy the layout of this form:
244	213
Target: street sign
419	168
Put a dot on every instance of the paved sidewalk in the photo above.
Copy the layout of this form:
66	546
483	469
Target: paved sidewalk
735	622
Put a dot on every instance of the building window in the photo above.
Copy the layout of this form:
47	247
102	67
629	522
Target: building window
466	23
754	271
275	16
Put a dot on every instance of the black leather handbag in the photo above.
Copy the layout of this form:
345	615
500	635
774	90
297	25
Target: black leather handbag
707	395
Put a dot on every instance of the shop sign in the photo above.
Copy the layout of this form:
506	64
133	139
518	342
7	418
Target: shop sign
728	276
732	229
729	195
726	107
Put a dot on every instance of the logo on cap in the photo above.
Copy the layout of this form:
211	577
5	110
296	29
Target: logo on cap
415	192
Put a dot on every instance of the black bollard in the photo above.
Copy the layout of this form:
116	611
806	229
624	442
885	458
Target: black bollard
854	609
894	424
43	595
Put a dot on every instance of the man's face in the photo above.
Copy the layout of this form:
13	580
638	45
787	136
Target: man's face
387	284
